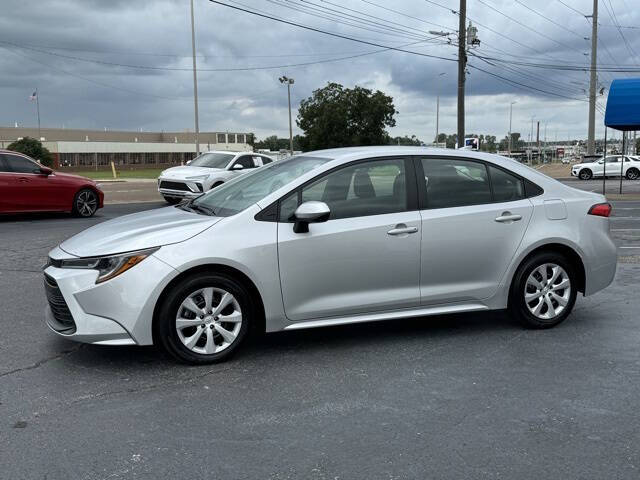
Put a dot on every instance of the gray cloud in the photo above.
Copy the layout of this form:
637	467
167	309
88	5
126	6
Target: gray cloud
78	93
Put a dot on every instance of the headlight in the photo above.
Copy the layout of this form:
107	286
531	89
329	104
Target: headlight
110	266
197	177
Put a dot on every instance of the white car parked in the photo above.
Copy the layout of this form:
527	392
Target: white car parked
589	170
206	171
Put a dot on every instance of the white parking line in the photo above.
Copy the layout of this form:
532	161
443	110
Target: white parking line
625	230
637	248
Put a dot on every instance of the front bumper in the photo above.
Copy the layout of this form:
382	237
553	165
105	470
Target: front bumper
116	312
179	188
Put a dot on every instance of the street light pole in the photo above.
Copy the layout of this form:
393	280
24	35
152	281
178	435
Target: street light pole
438	110
289	82
510	118
195	80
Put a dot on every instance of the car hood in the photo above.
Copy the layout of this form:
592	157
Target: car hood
186	171
76	178
138	231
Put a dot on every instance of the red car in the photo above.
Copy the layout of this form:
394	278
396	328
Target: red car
26	186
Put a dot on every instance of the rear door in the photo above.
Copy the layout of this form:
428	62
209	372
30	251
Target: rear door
474	216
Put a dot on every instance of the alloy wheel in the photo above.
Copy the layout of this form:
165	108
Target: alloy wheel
547	291
632	174
209	320
86	203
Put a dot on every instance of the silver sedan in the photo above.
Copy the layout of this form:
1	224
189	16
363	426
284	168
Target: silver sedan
334	237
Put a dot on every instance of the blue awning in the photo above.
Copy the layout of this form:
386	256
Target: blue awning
623	105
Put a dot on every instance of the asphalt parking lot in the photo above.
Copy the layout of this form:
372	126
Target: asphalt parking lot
465	396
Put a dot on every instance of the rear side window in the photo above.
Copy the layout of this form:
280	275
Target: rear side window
455	182
18	164
506	187
265	160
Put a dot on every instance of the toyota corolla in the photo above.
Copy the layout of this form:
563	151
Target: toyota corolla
334	237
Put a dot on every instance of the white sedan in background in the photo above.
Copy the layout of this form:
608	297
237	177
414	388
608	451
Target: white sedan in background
589	170
206	171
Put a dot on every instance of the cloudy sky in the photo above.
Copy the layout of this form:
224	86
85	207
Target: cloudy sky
125	64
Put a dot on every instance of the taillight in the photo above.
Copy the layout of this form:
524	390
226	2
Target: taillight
600	209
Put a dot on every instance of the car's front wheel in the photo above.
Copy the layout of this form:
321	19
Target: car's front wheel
85	203
633	174
204	319
585	174
543	291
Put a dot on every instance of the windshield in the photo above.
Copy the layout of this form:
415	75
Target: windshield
234	196
212	160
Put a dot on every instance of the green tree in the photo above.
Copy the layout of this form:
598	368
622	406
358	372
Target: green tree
335	116
33	148
406	140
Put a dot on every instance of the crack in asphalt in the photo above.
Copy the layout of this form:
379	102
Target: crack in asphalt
42	362
146	388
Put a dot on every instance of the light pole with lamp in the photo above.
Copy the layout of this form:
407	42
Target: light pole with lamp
289	82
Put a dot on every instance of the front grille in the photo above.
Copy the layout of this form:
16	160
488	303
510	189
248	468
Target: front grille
59	308
174	186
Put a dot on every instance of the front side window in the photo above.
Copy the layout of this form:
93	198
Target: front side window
612	159
3	164
246	162
212	160
234	196
373	187
455	182
18	164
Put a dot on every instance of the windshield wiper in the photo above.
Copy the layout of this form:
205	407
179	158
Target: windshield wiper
201	208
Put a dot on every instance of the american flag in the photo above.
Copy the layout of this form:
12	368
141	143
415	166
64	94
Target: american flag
33	96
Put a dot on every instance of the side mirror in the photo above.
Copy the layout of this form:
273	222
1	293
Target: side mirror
310	212
44	171
188	162
600	162
237	166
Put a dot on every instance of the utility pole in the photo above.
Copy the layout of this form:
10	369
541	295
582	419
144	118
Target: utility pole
462	64
510	118
289	82
593	80
195	79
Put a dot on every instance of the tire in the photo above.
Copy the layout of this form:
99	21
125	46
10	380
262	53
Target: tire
85	203
524	310
172	200
633	174
209	346
585	174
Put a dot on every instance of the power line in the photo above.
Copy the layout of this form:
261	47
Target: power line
614	19
563	27
528	27
571	8
407	15
222	69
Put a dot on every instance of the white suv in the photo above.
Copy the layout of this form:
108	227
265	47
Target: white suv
588	170
206	171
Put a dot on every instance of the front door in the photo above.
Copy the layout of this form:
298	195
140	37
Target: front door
35	191
365	258
473	219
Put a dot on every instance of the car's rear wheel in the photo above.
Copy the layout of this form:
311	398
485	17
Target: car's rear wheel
543	291
85	203
633	174
585	174
205	318
172	200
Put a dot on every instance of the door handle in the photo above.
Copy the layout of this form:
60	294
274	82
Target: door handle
23	179
508	217
402	230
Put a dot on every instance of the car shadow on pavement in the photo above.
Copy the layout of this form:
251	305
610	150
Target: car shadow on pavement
379	336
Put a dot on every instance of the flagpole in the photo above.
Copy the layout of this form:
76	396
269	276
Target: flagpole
38	110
